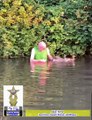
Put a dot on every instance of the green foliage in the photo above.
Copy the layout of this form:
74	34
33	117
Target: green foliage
48	2
65	24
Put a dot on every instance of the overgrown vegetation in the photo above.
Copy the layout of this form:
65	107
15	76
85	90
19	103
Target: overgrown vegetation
65	24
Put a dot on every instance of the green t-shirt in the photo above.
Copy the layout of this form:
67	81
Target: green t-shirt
40	55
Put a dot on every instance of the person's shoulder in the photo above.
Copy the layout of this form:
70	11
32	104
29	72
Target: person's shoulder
32	48
47	49
35	48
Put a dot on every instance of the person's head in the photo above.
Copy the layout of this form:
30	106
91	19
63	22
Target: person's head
41	45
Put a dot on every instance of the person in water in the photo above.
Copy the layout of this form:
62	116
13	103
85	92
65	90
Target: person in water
40	53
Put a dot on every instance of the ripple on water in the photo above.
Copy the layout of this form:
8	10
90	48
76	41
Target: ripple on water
61	86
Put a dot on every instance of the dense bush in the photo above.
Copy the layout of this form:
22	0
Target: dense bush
65	24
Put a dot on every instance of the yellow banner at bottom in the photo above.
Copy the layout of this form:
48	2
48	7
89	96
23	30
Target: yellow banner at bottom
57	113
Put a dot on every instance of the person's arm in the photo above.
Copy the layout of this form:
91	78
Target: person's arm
49	55
32	55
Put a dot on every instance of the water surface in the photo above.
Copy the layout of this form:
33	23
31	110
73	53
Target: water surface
50	86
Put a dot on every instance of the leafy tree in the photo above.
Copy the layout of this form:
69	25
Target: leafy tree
65	24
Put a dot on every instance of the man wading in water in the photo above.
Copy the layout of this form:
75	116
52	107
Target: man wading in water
40	53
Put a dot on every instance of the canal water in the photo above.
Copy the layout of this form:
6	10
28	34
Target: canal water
49	86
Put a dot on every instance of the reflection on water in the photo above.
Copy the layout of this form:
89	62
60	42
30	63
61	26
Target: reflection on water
50	86
46	91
